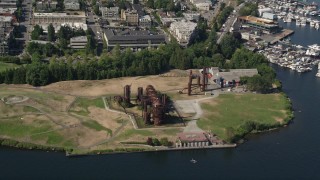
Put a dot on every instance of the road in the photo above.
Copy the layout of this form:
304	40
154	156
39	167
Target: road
229	23
92	23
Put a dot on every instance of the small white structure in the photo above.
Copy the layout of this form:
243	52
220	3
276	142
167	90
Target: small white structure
270	16
145	21
264	10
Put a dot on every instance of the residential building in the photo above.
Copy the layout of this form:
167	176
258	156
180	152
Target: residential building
167	21
8	3
46	5
7	11
145	21
132	39
74	19
202	5
191	16
111	13
183	31
79	42
71	5
192	140
139	9
6	30
131	17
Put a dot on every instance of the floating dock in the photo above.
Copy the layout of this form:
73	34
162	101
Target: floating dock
278	37
274	38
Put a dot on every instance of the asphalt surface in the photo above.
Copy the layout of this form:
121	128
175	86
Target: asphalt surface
229	23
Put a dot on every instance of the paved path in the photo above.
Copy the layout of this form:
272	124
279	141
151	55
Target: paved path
193	106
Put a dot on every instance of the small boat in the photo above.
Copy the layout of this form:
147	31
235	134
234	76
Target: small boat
312	23
193	161
298	23
316	26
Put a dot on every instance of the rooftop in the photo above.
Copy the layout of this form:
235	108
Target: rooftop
7	10
71	1
235	74
71	13
256	19
79	38
5	18
130	36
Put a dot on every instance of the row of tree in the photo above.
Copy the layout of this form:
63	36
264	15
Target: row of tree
250	8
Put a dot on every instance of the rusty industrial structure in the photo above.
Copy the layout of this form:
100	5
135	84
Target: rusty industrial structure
202	81
154	104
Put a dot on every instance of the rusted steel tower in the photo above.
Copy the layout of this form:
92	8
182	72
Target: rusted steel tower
126	94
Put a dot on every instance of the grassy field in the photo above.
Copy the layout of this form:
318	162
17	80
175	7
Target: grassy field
4	66
96	126
82	104
234	115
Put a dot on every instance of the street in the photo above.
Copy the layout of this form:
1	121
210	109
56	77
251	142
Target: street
229	23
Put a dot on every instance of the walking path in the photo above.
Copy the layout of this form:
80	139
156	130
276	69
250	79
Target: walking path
193	106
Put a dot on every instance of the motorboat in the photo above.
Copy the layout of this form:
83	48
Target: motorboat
193	161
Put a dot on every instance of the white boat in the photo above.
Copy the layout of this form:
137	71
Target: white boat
318	74
312	23
309	20
316	26
193	161
315	47
303	22
298	23
289	20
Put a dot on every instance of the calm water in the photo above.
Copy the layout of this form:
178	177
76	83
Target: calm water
288	153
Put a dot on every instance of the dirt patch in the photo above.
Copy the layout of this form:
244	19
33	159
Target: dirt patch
278	119
115	86
12	99
110	120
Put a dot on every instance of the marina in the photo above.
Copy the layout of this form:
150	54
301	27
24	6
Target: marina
276	45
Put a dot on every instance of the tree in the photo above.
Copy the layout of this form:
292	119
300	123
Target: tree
259	84
150	4
156	142
19	14
37	31
165	142
170	6
51	33
249	9
149	141
49	49
222	6
96	10
218	60
228	45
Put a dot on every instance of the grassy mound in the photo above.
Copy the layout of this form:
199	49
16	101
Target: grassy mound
232	116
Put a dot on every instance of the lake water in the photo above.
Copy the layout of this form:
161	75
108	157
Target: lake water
288	153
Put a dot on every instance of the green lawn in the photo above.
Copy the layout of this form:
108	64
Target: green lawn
15	127
233	112
84	103
96	126
4	66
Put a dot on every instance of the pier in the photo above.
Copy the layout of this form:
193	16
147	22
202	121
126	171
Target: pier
274	38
